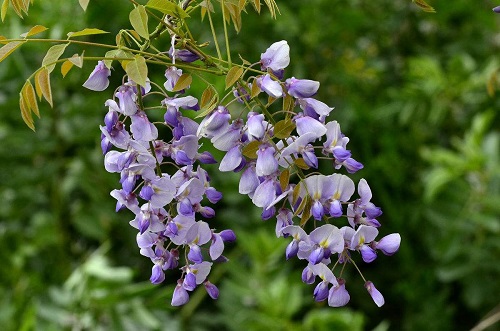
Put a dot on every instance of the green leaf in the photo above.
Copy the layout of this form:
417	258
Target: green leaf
26	113
7	49
167	8
250	150
53	54
183	82
139	20
207	96
208	106
306	214
233	75
34	30
283	129
137	70
28	93
84	4
85	32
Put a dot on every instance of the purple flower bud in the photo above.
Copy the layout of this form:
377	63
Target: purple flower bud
317	210
180	296
321	291
215	123
195	254
268	213
228	235
335	209
98	79
255	125
143	224
241	93
312	106
310	158
146	192
375	294
206	212
496	9
338	295
301	88
308	276
276	57
157	275
206	158
352	165
213	195
341	154
183	55
292	249
316	255
212	290
110	119
367	253
389	244
189	281
105	144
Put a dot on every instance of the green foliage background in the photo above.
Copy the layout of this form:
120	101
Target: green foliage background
410	90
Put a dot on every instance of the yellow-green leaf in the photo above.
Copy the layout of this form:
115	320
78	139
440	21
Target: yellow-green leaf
38	88
16	7
306	214
424	6
7	49
233	75
77	60
2	40
302	205
139	20
66	67
288	103
25	113
53	54
301	164
255	90
283	129
167	8
207	96
85	32
209	106
183	82
273	7
295	193
284	179
137	70
250	150
28	93
5	7
118	53
44	84
34	30
84	4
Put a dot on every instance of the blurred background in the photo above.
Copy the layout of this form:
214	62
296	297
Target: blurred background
417	94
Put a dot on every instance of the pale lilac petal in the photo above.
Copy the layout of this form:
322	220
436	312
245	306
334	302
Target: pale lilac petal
266	162
389	244
307	124
364	234
180	296
231	160
338	295
377	297
301	88
98	79
276	57
249	181
264	194
270	86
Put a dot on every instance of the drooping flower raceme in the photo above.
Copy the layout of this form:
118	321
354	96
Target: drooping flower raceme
278	150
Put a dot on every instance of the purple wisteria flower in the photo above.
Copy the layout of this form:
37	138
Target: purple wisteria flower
277	150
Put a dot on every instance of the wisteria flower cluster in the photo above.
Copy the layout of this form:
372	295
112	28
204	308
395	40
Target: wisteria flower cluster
278	155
